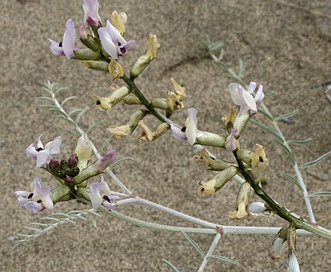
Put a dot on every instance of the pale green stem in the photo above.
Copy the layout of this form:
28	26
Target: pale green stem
210	252
295	166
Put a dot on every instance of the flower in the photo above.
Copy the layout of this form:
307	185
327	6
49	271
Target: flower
91	14
101	195
293	265
113	42
190	132
38	200
67	46
244	98
44	155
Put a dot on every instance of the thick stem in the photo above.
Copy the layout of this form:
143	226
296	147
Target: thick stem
144	100
282	212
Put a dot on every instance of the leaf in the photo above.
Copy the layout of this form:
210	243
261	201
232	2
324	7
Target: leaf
105	143
291	178
271	94
67	99
318	160
174	268
94	126
266	114
221	258
193	243
74	132
299	142
269	130
320	194
286	149
287	115
80	115
241	68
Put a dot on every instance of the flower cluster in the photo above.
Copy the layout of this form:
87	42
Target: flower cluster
108	39
72	175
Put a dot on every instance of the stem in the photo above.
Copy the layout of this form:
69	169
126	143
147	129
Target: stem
283	213
132	86
296	168
210	252
275	125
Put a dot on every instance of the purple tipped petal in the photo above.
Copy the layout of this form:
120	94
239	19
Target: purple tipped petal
91	13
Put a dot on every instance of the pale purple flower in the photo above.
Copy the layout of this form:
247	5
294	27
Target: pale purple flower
244	98
190	132
37	200
91	12
67	46
293	265
42	154
113	42
231	143
101	195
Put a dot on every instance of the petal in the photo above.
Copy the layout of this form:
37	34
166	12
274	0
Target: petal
279	246
248	101
177	132
293	265
104	189
31	151
95	195
107	42
91	13
56	48
43	156
259	95
234	92
191	126
69	39
39	143
35	207
55	145
115	34
251	87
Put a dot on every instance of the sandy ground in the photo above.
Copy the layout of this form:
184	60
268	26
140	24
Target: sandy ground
282	46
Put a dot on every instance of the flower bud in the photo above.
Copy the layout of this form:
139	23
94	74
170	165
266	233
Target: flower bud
144	60
96	168
73	160
212	186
